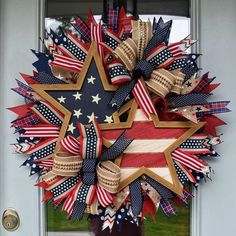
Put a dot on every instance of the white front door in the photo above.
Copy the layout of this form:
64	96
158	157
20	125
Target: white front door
19	31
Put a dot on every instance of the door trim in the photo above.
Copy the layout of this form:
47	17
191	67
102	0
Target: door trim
195	222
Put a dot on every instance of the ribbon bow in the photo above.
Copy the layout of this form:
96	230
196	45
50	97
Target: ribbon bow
145	56
84	158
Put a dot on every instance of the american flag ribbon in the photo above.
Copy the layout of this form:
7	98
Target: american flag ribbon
69	203
62	187
90	141
196	144
167	207
43	148
71	145
186	172
42	131
104	197
160	56
112	40
73	47
191	161
96	36
118	74
47	113
67	63
143	99
45	162
81	27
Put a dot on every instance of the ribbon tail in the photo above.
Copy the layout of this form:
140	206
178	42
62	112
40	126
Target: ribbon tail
136	197
143	99
116	149
78	210
121	94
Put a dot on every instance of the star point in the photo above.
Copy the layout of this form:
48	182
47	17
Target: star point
61	99
77	113
91	117
77	96
71	128
108	119
91	80
96	98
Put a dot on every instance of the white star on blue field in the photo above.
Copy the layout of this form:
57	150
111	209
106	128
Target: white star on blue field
88	102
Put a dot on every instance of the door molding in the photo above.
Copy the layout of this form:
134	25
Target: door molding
195	222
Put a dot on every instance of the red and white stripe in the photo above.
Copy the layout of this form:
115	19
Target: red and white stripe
45	163
105	198
71	145
143	99
187	172
70	201
96	36
148	147
41	131
178	49
191	161
67	63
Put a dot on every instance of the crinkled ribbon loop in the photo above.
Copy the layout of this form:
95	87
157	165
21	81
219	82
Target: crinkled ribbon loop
108	175
161	82
126	52
143	57
66	165
141	34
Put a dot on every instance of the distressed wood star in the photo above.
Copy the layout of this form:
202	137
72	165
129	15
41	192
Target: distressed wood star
150	152
86	99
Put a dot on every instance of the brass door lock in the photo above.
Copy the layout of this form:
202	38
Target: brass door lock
10	220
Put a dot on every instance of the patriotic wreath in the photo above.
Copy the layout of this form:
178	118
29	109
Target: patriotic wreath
117	119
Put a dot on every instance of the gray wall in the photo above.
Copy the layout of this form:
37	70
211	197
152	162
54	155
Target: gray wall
217	37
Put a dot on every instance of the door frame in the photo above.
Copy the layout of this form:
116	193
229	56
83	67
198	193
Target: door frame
195	206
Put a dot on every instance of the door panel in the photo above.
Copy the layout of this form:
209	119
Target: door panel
19	33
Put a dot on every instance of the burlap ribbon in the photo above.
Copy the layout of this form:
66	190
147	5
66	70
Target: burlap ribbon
71	162
143	56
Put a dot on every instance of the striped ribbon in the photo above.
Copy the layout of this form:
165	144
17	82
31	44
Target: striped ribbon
42	131
191	161
67	63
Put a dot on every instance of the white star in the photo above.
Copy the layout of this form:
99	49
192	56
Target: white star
91	117
61	99
108	119
91	80
77	113
77	96
96	98
71	128
59	76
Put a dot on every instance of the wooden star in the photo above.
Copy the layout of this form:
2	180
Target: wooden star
146	144
45	91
